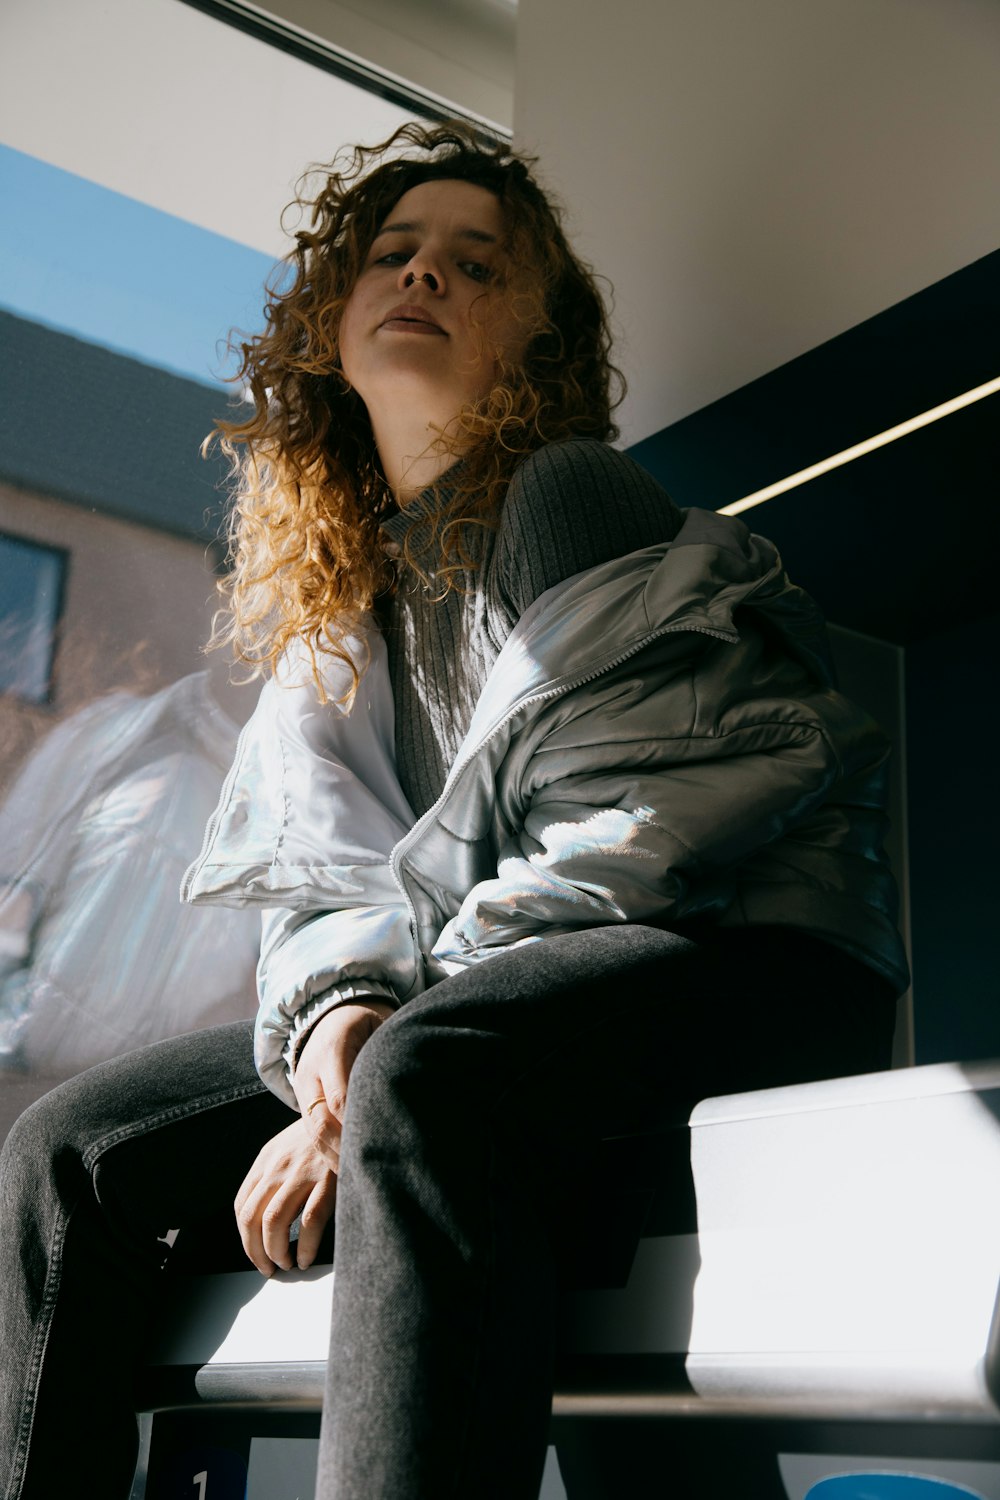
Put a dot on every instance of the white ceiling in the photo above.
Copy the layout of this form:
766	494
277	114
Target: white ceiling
757	178
461	51
156	100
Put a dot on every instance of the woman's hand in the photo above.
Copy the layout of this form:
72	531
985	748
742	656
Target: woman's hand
295	1173
324	1068
290	1177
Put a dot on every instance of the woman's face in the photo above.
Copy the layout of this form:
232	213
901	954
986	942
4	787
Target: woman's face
427	319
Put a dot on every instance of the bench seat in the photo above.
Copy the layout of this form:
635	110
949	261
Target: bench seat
845	1263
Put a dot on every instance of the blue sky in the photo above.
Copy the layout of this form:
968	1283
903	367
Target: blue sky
99	265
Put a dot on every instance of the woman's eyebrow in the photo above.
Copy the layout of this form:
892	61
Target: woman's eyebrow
480	236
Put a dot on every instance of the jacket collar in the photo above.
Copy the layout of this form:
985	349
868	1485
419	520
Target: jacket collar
586	624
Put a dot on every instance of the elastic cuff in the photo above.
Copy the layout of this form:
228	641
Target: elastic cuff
320	1005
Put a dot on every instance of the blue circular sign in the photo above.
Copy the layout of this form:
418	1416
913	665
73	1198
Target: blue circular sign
888	1486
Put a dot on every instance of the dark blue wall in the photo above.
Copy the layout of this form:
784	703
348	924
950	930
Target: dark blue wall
952	684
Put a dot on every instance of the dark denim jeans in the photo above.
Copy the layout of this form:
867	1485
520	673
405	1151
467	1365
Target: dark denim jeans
473	1136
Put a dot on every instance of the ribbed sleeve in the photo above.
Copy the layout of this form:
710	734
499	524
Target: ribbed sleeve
569	507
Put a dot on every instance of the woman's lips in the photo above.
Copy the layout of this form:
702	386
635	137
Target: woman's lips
411	320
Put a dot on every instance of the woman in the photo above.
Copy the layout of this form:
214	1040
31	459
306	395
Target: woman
555	820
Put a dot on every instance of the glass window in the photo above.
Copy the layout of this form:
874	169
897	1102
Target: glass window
31	591
143	214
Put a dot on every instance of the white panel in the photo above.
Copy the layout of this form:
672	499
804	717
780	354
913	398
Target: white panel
755	179
846	1246
282	1468
180	111
240	1317
289	1318
827	1236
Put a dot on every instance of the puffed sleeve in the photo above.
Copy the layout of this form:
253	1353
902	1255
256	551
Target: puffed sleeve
304	829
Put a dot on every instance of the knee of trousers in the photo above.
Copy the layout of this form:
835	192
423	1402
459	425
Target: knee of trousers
40	1129
418	1080
57	1138
39	1149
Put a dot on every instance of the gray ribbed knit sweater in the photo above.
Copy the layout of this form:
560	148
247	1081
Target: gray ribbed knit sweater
568	507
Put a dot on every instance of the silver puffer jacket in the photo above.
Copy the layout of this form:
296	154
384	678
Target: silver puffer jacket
659	739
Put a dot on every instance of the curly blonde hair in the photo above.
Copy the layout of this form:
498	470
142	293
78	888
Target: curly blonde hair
309	493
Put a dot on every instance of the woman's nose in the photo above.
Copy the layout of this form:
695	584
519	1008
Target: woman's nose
414	273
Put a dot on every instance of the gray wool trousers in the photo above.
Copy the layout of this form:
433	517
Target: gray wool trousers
472	1155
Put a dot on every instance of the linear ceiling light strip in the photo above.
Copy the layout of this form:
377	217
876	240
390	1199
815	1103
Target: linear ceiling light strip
331	59
860	449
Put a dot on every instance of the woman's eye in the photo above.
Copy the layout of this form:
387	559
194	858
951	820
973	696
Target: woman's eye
392	258
477	270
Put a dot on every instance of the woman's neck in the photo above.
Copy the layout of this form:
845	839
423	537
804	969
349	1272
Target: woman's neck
413	454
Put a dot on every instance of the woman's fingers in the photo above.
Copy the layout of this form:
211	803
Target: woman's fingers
295	1173
247	1206
250	1222
289	1177
277	1216
316	1214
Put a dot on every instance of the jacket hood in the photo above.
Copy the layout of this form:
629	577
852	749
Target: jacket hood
716	566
